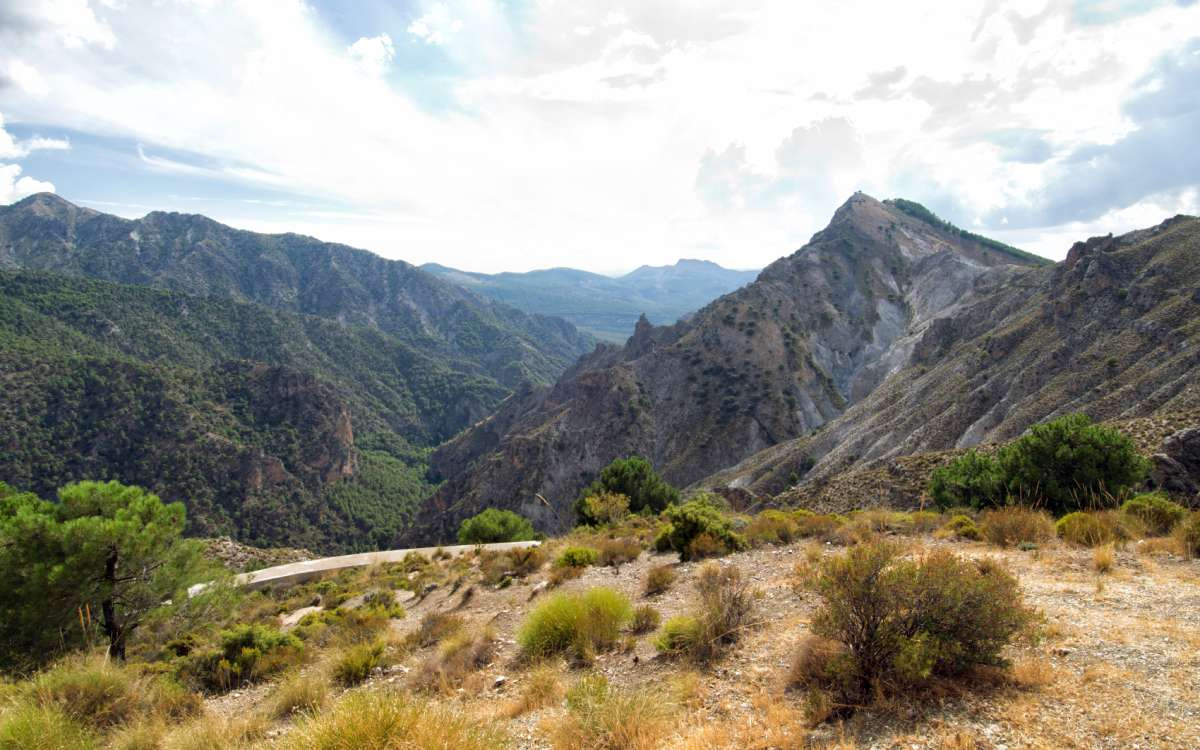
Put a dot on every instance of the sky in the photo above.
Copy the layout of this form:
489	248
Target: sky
498	135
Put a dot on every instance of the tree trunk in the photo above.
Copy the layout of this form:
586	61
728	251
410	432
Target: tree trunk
113	629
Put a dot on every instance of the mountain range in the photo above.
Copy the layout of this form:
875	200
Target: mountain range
311	394
287	390
890	333
606	306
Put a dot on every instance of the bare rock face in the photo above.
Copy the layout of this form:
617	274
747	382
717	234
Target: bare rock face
1177	466
817	332
1114	333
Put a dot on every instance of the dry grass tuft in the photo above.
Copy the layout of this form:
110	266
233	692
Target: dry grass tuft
605	718
458	657
380	719
542	687
1104	558
297	694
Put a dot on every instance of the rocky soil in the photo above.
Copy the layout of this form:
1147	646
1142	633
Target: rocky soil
1116	665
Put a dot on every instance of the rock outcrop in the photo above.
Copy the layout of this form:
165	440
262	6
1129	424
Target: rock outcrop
1177	466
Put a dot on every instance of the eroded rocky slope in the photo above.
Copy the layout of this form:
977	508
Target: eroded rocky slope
816	333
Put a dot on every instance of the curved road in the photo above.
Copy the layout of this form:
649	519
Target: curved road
302	571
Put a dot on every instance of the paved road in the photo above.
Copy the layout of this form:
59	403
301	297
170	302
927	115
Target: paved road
302	571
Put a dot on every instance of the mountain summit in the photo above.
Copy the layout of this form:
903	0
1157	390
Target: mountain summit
817	332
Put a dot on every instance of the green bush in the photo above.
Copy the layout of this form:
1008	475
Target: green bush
576	557
575	623
1188	533
972	480
680	635
902	622
246	654
494	525
634	478
1155	511
602	507
1085	529
697	529
961	527
1071	464
354	665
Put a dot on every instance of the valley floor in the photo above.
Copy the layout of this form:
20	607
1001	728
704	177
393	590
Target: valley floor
1117	664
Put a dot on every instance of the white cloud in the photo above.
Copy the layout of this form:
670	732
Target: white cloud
373	54
27	78
13	187
436	26
11	148
594	149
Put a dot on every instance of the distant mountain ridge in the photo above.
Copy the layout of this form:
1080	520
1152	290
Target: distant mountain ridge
606	306
195	255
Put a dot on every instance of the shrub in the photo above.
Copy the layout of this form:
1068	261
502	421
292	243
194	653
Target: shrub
1188	534
695	519
576	557
616	552
726	611
645	619
634	478
817	525
1013	525
602	507
680	635
659	579
494	525
1155	511
246	654
1084	529
355	664
1070	464
972	480
902	622
1104	558
434	628
343	626
961	527
37	727
380	719
384	602
578	623
773	527
524	561
299	694
601	717
458	657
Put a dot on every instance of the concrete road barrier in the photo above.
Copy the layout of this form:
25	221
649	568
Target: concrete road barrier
298	572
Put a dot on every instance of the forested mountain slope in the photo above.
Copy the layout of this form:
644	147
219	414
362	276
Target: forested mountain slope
198	256
271	426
